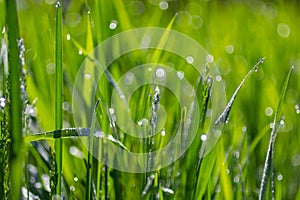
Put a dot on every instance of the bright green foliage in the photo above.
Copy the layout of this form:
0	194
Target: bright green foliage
236	34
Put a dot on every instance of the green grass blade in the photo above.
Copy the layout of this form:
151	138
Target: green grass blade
223	118
268	167
15	108
90	154
58	95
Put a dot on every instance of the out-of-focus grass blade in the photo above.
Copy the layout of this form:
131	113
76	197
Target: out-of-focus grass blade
15	107
268	167
162	42
58	95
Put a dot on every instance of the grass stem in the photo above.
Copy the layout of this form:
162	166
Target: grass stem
58	95
15	108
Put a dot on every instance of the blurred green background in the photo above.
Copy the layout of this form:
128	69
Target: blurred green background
235	33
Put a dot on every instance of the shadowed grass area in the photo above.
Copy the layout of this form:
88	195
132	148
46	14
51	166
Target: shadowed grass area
234	33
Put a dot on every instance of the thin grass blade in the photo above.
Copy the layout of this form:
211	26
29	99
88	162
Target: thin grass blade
15	108
268	167
58	95
223	118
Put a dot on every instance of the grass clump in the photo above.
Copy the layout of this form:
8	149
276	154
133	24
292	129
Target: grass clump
60	163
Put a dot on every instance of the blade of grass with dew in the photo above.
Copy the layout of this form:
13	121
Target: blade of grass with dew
90	155
58	95
15	107
223	118
268	167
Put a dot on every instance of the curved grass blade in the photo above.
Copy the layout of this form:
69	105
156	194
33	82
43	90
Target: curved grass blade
268	167
58	95
71	133
223	118
15	108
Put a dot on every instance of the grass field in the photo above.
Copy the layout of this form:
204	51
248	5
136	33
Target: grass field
55	138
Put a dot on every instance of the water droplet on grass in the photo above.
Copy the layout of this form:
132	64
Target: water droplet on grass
229	49
189	59
111	111
218	78
203	137
279	177
129	78
113	24
74	151
75	179
163	5
297	108
2	102
66	106
268	111
87	76
72	188
143	122
50	68
283	30
160	73
209	58
163	132
180	75
244	129
68	37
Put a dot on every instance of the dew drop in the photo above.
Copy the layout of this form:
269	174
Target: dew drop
113	24
203	137
74	151
279	177
297	108
160	73
209	58
180	75
75	179
57	4
163	132
68	37
80	52
271	125
229	49
283	30
87	76
236	179
72	188
143	122
244	129
111	111
163	5
218	78
129	78
50	68
2	102
189	59
236	154
66	106
268	111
